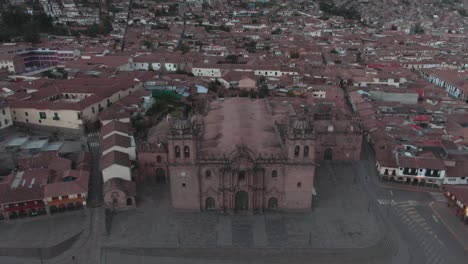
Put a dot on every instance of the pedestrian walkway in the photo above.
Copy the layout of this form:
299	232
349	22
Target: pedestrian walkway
409	202
386	202
93	134
452	223
419	203
94	144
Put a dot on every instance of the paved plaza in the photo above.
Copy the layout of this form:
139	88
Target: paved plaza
339	219
43	231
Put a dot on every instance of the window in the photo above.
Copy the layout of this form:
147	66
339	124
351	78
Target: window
208	174
274	174
210	203
92	109
27	120
6	121
177	151
186	152
26	114
56	116
158	159
40	121
3	111
241	177
42	115
306	151
299	184
183	185
296	151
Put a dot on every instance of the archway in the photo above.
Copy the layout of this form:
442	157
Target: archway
328	154
160	175
129	202
242	201
210	203
272	203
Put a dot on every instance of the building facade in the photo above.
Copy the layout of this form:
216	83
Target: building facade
234	159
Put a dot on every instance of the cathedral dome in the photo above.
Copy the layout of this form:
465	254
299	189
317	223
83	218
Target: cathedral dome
181	124
301	124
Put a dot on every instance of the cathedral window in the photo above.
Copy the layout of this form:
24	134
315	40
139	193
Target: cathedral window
306	151
177	151
241	176
297	149
274	174
158	159
207	174
299	184
186	152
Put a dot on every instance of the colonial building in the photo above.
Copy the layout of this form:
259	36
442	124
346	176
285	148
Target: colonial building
245	155
118	154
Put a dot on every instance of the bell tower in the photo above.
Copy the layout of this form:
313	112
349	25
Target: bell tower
182	146
300	140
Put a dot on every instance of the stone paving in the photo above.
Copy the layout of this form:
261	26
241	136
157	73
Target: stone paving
42	231
339	219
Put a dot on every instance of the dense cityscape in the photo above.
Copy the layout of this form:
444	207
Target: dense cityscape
243	131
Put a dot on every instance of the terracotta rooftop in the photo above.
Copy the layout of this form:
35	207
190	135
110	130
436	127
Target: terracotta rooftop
460	192
115	140
115	157
238	121
115	125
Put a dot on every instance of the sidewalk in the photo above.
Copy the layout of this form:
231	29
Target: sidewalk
406	187
451	222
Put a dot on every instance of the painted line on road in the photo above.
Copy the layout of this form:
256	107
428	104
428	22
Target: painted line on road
435	218
450	229
411	213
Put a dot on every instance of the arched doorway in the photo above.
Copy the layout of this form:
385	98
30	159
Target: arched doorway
160	175
328	154
129	202
210	203
242	201
272	203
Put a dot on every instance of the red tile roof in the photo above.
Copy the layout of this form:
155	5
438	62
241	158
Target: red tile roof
460	193
115	157
115	140
78	185
115	125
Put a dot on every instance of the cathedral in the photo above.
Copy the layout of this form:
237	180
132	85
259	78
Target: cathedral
251	155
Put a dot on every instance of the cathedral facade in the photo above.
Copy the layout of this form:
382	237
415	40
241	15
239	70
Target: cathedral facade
243	156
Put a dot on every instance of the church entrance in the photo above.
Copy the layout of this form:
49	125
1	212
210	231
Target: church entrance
272	203
328	155
242	201
160	175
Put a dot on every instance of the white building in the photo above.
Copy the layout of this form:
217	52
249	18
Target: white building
116	164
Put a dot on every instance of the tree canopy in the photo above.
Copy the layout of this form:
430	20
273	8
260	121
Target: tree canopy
16	23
